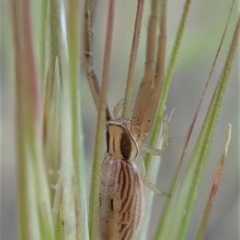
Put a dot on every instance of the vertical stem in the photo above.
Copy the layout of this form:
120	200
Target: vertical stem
26	105
94	196
21	161
43	37
50	78
77	146
133	57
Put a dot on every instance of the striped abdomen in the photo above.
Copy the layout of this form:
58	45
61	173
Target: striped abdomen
121	200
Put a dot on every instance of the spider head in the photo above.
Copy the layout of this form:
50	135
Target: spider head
120	142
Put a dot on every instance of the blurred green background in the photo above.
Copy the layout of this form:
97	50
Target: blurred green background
205	26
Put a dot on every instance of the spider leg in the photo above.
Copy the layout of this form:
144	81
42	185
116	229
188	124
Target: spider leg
165	135
117	109
158	78
88	54
133	57
146	181
144	90
151	186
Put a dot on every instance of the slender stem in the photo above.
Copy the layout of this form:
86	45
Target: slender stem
53	54
94	196
215	185
205	137
43	37
133	57
77	144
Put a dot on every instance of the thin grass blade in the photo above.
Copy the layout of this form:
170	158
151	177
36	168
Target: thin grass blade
182	210
77	139
167	205
94	192
215	185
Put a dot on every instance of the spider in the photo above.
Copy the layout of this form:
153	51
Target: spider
121	195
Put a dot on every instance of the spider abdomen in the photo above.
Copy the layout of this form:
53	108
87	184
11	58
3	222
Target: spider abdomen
121	200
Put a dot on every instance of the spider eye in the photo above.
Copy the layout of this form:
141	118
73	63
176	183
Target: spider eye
107	138
125	145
